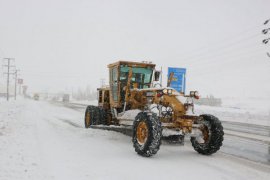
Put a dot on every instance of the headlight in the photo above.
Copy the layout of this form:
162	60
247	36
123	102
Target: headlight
159	93
194	94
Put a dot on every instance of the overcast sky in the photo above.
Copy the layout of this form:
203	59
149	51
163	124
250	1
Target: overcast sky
64	44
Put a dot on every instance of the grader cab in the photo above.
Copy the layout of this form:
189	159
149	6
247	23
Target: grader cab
135	98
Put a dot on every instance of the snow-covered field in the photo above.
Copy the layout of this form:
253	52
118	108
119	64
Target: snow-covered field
39	140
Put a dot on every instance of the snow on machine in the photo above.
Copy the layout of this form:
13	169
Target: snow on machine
136	99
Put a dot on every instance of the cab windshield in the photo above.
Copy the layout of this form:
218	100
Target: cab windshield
141	77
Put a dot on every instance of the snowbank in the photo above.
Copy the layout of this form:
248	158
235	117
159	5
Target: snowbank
251	110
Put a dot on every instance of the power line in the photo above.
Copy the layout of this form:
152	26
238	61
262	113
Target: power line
215	53
37	75
217	49
223	51
222	41
215	58
219	70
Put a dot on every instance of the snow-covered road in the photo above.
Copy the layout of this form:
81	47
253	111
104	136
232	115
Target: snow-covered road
39	140
249	141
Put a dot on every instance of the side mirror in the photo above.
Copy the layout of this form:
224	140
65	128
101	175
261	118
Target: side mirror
156	75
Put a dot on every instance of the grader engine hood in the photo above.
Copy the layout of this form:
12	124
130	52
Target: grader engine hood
167	97
166	102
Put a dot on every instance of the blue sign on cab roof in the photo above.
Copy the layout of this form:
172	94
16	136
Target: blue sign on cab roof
179	78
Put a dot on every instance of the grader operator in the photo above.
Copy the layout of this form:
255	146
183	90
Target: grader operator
135	98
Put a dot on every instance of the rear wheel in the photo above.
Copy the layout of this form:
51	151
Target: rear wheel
211	137
147	132
104	117
91	116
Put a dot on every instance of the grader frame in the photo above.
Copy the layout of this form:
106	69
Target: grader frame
131	88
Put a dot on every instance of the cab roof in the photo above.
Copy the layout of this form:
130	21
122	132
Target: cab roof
132	64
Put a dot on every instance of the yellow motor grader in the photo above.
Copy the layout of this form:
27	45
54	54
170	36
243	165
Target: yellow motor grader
135	98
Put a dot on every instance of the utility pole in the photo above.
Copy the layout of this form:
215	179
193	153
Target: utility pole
265	31
16	75
20	89
20	82
8	73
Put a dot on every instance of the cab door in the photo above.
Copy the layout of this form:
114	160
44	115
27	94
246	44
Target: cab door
114	84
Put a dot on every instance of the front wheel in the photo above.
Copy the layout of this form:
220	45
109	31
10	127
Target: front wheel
211	137
147	132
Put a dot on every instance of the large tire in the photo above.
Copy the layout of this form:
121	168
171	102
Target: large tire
91	116
103	117
212	131
147	133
